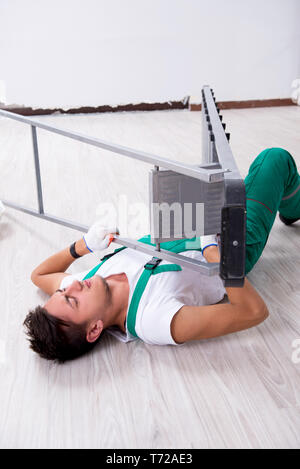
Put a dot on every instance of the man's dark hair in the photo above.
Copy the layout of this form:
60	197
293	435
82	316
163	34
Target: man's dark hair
55	339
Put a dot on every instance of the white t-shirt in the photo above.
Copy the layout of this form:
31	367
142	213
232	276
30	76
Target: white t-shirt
163	296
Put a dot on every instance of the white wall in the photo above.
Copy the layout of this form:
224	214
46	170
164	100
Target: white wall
71	53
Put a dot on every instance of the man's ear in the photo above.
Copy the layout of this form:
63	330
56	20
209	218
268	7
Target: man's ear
94	331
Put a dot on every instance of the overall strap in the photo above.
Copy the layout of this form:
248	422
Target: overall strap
180	245
92	272
151	268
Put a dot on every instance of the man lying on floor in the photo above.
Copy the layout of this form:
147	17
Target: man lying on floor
132	296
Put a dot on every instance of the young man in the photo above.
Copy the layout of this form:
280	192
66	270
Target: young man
176	305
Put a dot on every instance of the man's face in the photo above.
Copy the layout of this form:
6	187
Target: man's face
81	301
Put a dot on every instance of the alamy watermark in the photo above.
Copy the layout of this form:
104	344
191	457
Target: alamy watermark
167	220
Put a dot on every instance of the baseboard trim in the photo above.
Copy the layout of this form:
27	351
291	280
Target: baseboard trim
29	111
184	104
254	103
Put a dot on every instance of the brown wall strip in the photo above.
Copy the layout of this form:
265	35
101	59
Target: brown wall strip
247	104
29	111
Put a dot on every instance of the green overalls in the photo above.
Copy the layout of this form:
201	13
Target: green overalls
272	184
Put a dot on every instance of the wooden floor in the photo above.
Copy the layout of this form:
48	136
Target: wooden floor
239	391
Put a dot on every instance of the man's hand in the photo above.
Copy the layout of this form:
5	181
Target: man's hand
99	237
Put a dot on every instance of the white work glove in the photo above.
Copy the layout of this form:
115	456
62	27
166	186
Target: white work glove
208	240
99	237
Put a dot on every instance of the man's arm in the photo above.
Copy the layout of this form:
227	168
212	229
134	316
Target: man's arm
246	309
49	274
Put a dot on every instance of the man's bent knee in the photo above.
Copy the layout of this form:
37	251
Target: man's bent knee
279	156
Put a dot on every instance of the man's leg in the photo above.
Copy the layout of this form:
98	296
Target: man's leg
272	184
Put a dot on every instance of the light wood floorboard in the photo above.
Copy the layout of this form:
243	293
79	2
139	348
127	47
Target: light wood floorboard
238	391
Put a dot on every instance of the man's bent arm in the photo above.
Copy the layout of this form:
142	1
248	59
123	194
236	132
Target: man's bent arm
247	296
49	274
246	309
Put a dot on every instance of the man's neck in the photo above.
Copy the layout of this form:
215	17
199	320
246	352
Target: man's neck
119	286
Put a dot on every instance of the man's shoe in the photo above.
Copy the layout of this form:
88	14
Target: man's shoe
288	221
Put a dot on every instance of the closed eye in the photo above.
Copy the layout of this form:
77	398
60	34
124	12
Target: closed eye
73	298
68	297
